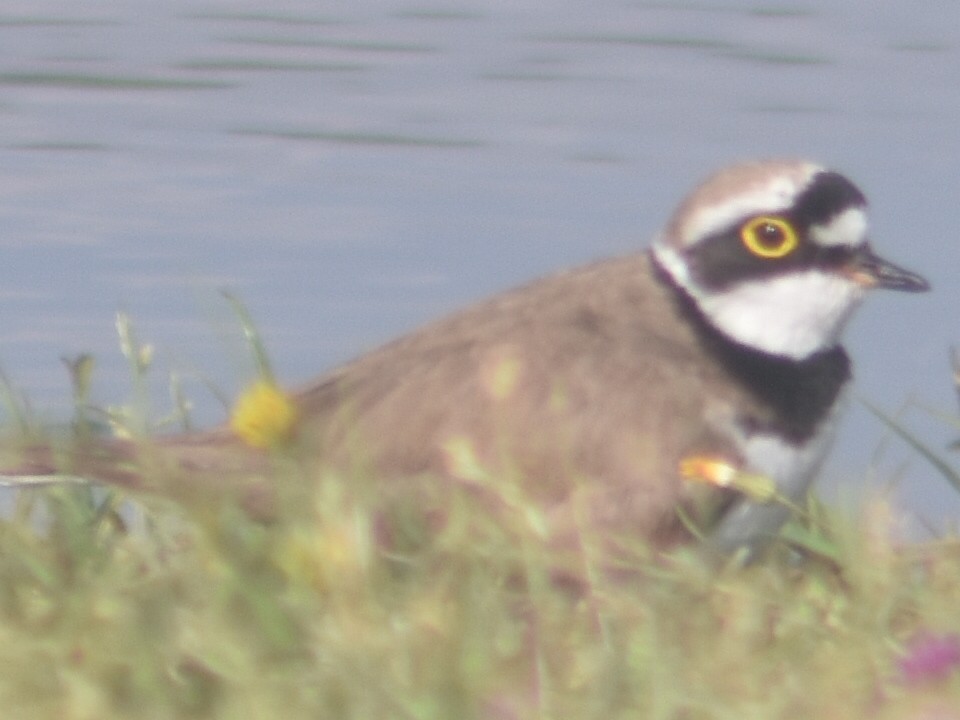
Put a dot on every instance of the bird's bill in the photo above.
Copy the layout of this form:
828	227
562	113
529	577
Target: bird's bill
871	271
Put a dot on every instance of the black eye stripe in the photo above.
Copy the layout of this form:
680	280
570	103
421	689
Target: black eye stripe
721	260
833	256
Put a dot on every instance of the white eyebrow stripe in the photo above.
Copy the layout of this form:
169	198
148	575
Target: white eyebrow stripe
848	228
777	195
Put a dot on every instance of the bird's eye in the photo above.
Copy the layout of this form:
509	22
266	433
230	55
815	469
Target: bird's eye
769	236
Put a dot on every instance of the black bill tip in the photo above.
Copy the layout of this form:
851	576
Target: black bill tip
872	271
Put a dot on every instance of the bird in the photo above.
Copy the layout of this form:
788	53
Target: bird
589	391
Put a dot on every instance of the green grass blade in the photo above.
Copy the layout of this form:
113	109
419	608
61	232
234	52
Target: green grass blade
253	338
942	466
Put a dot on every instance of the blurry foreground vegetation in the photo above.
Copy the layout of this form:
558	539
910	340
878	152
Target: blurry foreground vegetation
120	606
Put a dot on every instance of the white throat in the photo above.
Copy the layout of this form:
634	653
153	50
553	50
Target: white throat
792	315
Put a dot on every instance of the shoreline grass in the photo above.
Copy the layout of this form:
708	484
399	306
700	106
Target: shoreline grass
353	603
203	612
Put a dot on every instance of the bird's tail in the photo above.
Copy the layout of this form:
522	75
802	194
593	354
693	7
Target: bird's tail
209	465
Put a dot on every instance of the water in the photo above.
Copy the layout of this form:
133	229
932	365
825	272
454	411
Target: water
353	171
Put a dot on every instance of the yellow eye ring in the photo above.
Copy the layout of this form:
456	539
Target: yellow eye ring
769	236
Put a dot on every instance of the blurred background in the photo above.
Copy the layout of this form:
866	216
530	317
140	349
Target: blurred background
353	169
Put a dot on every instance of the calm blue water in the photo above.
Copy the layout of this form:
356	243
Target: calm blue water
353	171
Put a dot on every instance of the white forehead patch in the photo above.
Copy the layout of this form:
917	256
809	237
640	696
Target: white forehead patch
848	228
777	194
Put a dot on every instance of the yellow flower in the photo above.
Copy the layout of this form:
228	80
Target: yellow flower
719	472
264	416
709	470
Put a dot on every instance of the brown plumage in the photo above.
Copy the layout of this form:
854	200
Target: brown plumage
599	389
610	390
586	389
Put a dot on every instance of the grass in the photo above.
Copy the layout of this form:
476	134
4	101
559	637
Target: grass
352	604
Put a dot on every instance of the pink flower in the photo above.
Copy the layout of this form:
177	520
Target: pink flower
929	657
